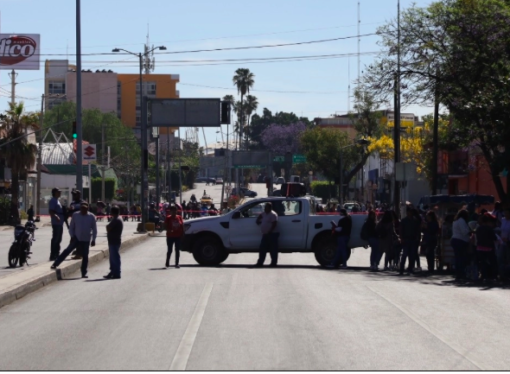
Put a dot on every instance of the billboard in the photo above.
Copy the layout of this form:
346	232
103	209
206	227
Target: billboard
184	112
19	52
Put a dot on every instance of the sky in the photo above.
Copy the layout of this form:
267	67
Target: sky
316	87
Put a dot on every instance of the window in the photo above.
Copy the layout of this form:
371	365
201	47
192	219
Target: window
57	88
149	88
287	207
253	210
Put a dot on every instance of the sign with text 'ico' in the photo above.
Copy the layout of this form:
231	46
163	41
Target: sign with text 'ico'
19	52
185	112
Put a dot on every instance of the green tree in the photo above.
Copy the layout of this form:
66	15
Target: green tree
117	136
251	106
243	80
455	51
18	153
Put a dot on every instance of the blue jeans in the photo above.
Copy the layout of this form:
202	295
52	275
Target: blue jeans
83	247
341	250
375	254
269	241
460	249
56	239
409	251
170	243
114	250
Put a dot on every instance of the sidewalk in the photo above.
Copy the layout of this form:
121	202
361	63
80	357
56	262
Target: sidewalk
20	281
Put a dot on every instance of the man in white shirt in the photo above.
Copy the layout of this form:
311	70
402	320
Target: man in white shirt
268	221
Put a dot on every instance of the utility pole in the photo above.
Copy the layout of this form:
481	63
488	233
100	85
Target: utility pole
168	169
180	170
79	133
435	140
103	193
158	193
396	127
39	159
13	76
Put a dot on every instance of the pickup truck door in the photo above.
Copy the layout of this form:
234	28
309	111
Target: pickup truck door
292	223
244	233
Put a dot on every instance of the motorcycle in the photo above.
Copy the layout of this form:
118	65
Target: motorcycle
20	249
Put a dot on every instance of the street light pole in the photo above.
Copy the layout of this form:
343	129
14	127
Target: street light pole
143	127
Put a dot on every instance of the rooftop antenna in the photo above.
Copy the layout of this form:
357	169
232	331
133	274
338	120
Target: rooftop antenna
349	85
148	58
359	41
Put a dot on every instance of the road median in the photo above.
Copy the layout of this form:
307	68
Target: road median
32	278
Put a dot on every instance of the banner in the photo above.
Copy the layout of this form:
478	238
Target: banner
19	52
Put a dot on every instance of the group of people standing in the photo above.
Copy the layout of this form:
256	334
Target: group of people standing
83	233
400	240
481	244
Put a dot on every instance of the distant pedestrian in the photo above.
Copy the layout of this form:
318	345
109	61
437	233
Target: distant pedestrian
83	231
373	240
30	213
114	235
268	221
57	223
343	235
461	233
430	235
387	236
485	248
174	234
410	230
75	207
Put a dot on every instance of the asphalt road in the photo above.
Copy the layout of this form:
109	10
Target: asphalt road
236	317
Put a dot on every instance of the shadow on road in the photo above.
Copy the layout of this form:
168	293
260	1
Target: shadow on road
164	268
97	280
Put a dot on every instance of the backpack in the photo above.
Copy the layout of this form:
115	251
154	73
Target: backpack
364	231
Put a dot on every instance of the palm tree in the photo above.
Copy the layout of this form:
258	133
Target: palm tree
243	80
18	153
251	106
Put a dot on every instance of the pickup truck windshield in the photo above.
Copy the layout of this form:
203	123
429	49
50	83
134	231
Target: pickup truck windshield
281	207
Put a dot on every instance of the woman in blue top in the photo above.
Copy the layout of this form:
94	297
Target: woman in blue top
430	233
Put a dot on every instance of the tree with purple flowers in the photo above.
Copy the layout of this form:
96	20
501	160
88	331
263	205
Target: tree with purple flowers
281	139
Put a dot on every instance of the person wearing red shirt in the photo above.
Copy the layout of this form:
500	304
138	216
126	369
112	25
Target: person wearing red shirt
174	233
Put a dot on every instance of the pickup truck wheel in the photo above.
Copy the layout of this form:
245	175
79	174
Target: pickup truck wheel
325	251
208	251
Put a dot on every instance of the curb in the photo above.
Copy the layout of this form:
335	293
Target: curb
49	276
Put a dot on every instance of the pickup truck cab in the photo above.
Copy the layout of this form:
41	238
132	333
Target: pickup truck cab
212	239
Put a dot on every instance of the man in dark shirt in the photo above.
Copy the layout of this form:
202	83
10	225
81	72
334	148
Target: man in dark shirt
74	207
114	234
410	232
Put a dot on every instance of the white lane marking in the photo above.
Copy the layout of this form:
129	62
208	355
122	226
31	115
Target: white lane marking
181	357
432	331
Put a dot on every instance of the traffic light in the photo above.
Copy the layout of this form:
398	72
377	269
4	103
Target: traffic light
75	134
225	113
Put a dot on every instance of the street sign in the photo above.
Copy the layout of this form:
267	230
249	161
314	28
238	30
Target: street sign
249	166
89	152
279	159
298	159
405	171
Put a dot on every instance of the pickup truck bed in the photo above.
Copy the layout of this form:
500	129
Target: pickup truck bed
212	239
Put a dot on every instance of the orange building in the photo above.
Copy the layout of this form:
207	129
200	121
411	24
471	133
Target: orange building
161	86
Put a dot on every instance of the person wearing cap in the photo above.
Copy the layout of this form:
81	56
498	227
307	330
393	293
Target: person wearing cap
57	223
75	207
83	231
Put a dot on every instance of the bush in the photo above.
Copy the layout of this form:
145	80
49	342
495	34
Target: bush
321	189
5	210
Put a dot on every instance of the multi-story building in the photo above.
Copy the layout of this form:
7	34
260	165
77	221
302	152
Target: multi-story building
108	91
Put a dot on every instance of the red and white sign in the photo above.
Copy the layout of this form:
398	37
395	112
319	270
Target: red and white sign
89	152
19	52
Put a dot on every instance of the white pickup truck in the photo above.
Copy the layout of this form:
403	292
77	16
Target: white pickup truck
212	239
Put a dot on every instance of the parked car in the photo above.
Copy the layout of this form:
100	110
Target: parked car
279	180
246	192
219	180
205	180
212	239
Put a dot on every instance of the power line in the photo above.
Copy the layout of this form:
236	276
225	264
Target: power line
222	49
